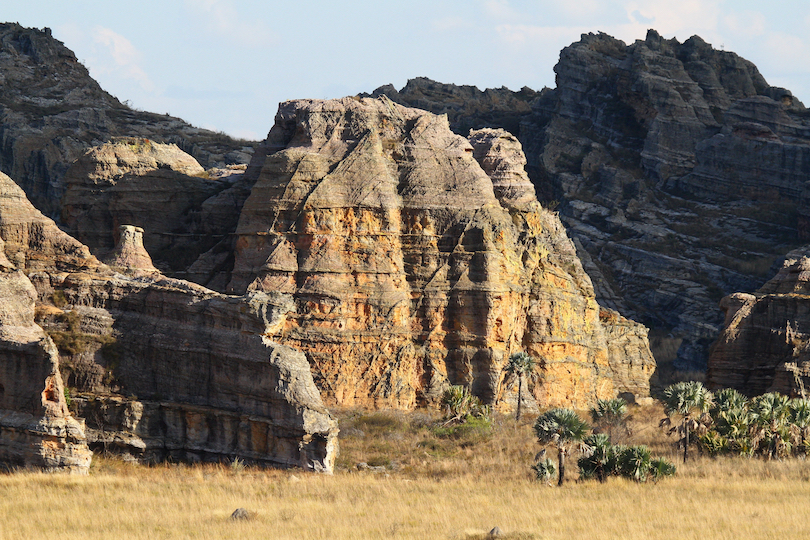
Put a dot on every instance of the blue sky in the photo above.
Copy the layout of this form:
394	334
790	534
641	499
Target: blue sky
226	64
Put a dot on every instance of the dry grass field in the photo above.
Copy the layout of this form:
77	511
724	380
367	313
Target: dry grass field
435	485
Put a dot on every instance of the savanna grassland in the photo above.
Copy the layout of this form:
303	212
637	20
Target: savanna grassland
423	482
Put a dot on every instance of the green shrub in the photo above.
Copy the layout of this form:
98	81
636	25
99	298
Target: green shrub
460	405
544	470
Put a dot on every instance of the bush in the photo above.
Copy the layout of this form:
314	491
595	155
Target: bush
460	405
544	470
633	462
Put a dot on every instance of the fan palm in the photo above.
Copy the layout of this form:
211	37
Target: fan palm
519	364
609	414
771	424
561	427
800	420
687	399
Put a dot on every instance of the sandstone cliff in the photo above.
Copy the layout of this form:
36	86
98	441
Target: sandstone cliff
183	209
51	111
765	343
410	268
158	367
678	170
36	428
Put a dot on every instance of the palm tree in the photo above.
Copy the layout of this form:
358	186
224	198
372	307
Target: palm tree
689	400
561	427
609	414
800	420
519	364
771	424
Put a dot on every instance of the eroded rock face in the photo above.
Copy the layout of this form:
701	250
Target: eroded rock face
765	334
129	256
159	367
678	171
36	428
156	187
52	111
409	266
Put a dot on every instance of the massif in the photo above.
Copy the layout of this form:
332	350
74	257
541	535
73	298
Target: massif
205	298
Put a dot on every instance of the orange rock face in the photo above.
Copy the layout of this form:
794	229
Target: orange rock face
410	267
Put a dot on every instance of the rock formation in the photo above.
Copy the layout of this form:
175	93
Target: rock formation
129	256
158	367
36	428
678	170
410	268
51	111
183	209
765	343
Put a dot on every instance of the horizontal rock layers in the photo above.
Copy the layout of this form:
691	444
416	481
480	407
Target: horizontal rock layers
409	266
51	111
183	210
765	343
679	172
36	428
192	368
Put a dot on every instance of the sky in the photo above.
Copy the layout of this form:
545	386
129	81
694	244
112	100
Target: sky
226	64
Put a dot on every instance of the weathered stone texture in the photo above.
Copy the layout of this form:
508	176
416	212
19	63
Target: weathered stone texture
52	111
36	428
410	267
678	171
763	332
156	187
197	365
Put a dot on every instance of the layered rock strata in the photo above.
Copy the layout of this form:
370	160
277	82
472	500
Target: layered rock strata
765	343
129	256
409	267
36	428
191	371
183	209
679	173
51	111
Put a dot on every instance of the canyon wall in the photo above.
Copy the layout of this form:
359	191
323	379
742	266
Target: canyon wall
52	111
765	343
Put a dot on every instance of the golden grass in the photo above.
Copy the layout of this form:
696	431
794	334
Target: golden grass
434	487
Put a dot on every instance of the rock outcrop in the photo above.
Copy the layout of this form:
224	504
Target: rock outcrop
410	268
158	367
183	209
678	170
765	343
36	428
52	111
129	256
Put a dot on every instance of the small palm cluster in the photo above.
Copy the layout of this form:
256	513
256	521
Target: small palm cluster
566	430
635	462
771	425
461	405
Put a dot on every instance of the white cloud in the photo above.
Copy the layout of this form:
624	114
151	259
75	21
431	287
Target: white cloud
499	9
125	58
222	17
747	23
669	17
